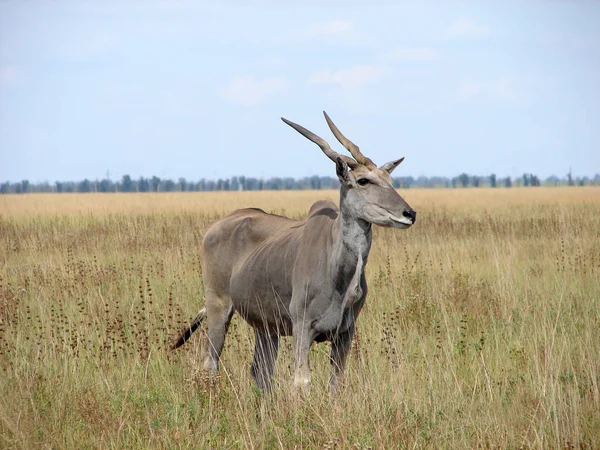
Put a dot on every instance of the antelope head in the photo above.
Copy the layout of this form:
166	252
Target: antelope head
367	190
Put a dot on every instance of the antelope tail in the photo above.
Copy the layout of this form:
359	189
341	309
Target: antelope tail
187	333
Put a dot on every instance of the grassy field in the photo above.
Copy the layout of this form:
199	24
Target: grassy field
481	329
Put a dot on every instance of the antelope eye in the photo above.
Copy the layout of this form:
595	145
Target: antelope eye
362	181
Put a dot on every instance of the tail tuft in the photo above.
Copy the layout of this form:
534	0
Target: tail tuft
187	333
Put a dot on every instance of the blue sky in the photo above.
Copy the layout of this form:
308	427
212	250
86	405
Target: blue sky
196	89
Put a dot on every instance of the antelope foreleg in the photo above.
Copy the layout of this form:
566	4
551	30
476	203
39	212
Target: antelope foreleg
302	341
265	355
340	347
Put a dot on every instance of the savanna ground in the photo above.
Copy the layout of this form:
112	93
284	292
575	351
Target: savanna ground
481	329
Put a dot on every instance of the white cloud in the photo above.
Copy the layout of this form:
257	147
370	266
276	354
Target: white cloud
468	28
499	89
414	54
348	78
248	91
333	27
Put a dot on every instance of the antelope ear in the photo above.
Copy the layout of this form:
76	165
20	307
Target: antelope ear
341	169
390	166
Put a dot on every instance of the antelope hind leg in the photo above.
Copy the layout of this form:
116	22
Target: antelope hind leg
219	310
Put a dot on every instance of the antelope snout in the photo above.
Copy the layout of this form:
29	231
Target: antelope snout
410	214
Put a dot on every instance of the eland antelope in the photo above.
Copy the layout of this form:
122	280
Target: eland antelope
300	278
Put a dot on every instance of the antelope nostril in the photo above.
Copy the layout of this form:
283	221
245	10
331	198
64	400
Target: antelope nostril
410	214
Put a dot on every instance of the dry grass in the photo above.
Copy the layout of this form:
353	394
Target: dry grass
481	328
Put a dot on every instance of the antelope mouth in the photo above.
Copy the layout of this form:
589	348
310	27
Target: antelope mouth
400	222
385	218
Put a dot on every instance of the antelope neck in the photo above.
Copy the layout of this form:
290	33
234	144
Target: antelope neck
355	234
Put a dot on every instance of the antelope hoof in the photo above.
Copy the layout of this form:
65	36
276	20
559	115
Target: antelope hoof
210	365
302	383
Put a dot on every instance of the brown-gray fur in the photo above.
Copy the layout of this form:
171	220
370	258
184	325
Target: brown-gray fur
300	278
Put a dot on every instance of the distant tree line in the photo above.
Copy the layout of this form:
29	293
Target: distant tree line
242	183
